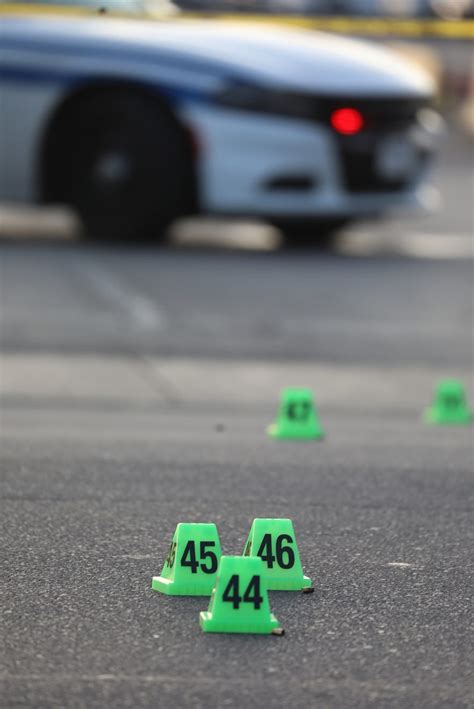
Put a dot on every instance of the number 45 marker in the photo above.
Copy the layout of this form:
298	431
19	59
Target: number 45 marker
190	566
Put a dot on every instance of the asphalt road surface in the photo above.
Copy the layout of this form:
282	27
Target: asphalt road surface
136	388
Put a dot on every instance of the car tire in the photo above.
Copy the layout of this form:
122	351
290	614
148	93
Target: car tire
122	162
320	234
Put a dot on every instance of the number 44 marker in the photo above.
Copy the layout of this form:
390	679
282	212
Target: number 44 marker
239	601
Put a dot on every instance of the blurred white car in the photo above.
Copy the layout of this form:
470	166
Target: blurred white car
136	123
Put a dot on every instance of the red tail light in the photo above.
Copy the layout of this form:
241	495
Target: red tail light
347	121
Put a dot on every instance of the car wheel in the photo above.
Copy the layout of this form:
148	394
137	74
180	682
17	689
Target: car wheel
122	162
320	234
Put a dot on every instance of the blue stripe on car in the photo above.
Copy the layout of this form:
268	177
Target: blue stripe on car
41	76
152	56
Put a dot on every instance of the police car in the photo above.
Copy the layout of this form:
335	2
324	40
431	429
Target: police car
136	123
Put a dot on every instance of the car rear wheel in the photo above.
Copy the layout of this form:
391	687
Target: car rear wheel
121	160
320	233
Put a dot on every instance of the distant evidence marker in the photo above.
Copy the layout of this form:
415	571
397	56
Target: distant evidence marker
297	416
449	407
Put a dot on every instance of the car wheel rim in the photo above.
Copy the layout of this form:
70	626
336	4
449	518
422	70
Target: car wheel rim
112	169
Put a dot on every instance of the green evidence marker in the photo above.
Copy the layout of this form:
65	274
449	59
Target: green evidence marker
274	541
297	416
190	568
239	601
449	405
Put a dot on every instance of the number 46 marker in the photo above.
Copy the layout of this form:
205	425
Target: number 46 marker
274	541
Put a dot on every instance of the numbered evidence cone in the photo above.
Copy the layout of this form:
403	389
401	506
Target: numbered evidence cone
239	601
191	565
274	541
297	416
449	405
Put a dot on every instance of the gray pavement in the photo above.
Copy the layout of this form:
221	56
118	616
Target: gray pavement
136	387
240	305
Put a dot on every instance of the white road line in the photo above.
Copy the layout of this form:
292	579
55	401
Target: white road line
447	246
359	327
144	313
400	564
413	244
380	239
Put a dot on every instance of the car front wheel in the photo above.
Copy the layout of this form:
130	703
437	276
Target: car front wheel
121	161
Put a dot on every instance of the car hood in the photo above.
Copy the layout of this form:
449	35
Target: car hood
303	60
284	58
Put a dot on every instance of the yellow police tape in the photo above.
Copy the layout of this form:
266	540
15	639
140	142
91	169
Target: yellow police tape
54	10
450	29
378	27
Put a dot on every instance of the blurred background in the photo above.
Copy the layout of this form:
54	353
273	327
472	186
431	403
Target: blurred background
390	283
435	35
